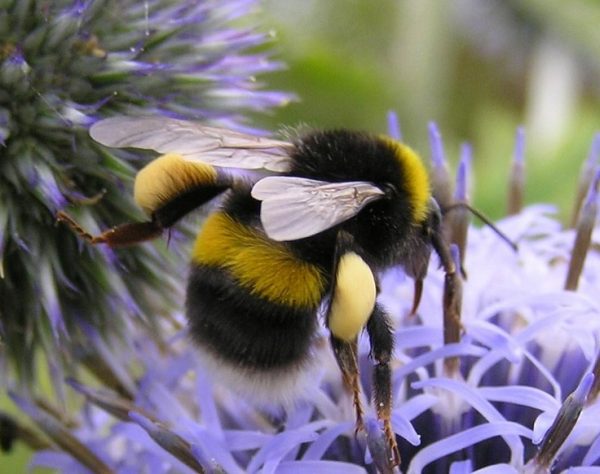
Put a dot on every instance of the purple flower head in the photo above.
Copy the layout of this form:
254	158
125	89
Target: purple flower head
64	65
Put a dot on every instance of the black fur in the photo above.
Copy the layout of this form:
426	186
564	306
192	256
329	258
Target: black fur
244	329
383	228
185	202
252	332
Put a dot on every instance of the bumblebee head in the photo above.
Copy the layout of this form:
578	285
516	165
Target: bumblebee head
410	184
415	257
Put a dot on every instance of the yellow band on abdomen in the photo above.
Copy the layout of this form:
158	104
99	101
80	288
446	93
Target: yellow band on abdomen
266	268
167	177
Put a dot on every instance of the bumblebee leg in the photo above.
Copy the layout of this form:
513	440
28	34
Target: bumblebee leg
166	189
345	355
417	296
382	345
121	236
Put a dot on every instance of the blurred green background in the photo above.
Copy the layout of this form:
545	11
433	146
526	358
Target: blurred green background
479	68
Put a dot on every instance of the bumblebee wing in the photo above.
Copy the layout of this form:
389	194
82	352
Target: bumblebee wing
293	208
194	142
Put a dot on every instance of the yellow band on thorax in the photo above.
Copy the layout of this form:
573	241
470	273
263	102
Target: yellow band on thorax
266	268
416	180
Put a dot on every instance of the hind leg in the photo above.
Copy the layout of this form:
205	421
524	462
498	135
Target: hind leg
382	345
345	355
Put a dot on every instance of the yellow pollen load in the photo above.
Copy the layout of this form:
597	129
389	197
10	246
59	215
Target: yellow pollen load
353	298
417	180
166	177
264	267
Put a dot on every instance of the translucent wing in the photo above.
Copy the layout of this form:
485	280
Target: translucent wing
215	146
293	208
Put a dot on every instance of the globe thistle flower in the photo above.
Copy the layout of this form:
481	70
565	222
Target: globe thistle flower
513	389
64	65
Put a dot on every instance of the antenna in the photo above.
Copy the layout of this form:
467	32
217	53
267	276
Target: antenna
484	219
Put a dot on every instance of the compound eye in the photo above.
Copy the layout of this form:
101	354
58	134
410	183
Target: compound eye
435	212
390	190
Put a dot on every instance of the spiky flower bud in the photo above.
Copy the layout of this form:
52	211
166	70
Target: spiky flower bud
63	65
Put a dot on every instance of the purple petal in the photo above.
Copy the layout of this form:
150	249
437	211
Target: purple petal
475	400
166	406
209	446
169	441
418	336
320	445
466	393
520	395
465	439
405	429
593	454
47	185
495	338
582	391
498	469
461	467
49	297
319	467
134	433
277	447
324	404
449	350
243	440
300	415
462	174
546	374
170	372
583	470
592	195
208	409
438	156
542	424
594	153
487	363
156	458
111	358
62	462
416	405
394	126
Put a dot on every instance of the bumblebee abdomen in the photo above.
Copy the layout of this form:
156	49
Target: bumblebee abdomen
168	176
251	302
260	349
242	329
169	187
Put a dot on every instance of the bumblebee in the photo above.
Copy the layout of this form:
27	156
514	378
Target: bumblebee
336	209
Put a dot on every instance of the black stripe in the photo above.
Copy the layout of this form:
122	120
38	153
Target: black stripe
243	328
177	207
